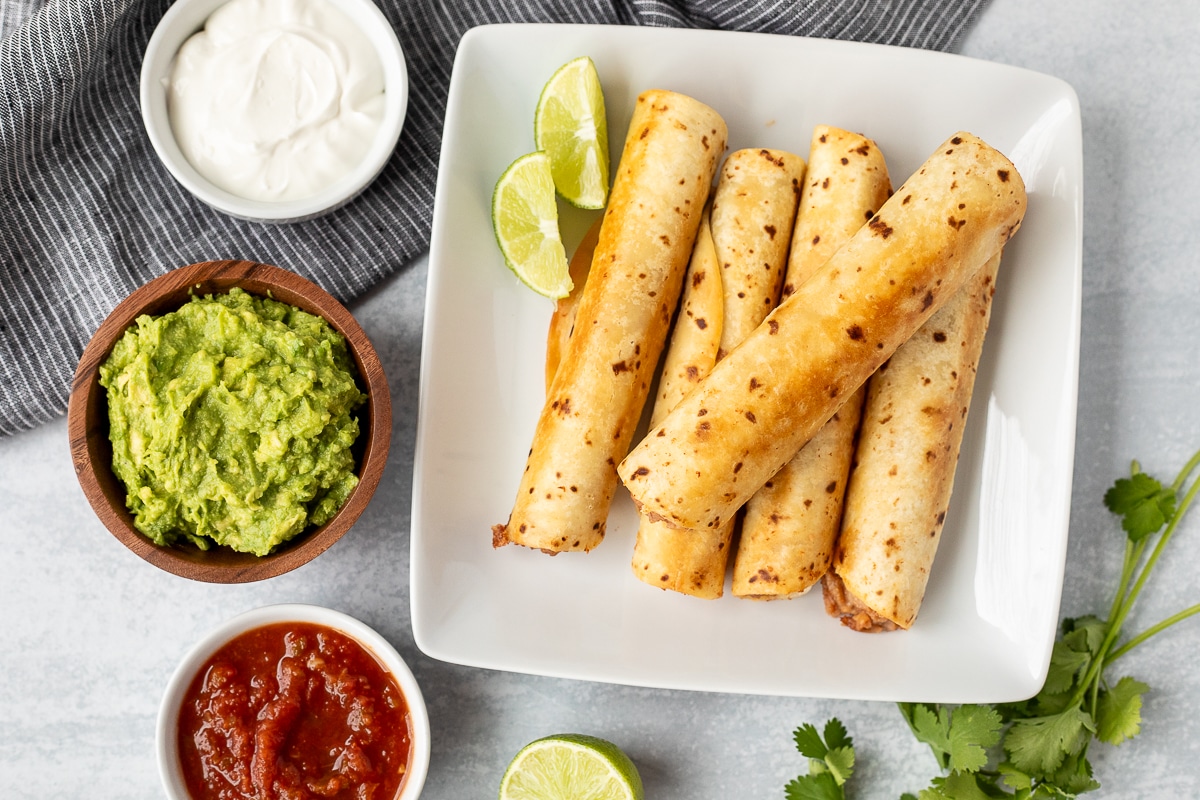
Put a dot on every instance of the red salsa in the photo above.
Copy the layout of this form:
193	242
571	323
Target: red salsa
291	711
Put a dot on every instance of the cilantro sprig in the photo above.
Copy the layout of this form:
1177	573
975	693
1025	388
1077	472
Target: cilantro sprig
830	762
1043	742
1038	749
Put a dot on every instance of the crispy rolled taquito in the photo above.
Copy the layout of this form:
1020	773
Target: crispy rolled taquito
791	523
763	402
751	218
904	467
661	184
753	210
659	550
696	337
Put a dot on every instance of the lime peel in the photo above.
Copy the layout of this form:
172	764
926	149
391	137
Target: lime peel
571	766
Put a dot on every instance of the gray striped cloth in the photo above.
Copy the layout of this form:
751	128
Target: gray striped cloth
87	213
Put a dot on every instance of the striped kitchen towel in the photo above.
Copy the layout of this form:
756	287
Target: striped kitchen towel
87	213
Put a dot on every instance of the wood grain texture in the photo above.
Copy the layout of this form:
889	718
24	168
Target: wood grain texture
91	451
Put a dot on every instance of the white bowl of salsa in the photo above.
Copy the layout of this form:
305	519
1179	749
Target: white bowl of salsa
296	696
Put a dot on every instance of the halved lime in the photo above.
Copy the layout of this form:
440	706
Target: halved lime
571	125
571	766
525	218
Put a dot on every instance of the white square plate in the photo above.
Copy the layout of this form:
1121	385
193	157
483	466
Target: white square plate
990	613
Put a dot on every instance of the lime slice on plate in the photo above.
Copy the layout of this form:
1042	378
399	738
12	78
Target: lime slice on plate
570	124
525	218
571	766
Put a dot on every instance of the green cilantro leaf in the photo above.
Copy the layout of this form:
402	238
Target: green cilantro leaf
1014	778
1073	778
830	762
1066	666
840	763
1047	791
973	729
931	725
1039	745
821	786
1142	502
959	738
934	792
808	742
1084	634
1119	712
836	735
960	786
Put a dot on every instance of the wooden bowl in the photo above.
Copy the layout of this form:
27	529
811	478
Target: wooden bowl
87	420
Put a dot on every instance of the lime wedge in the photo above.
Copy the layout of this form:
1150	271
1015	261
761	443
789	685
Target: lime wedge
570	124
525	218
571	766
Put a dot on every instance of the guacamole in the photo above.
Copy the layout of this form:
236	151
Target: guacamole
231	421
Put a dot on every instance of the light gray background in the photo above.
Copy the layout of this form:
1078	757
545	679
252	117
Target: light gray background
91	633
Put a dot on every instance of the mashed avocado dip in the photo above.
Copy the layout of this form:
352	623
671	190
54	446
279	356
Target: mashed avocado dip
231	421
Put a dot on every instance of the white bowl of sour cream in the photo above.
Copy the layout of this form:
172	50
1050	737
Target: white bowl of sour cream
274	110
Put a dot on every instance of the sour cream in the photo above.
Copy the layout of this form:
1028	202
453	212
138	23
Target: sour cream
276	99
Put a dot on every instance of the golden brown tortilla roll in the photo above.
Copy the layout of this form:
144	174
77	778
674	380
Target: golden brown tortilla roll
696	337
751	218
562	321
904	467
753	210
791	523
659	190
659	550
763	402
846	184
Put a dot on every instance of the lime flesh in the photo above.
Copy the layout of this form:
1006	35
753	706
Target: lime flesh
525	219
570	124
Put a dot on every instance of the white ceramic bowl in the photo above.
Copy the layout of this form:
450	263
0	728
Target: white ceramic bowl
168	713
186	17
